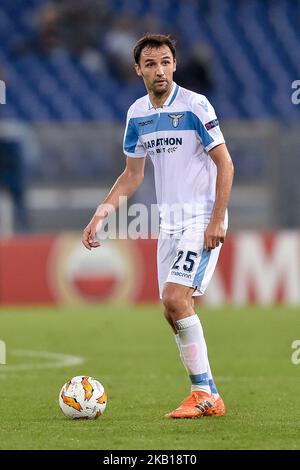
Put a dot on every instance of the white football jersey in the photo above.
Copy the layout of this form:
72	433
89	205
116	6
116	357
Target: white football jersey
177	137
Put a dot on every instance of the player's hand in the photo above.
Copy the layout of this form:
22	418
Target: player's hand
89	233
214	234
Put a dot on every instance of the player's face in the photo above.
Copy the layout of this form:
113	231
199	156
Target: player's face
156	67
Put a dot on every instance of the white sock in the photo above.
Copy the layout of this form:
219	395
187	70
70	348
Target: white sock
211	382
191	343
178	344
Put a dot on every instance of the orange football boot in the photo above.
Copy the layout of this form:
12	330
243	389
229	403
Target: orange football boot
194	406
217	410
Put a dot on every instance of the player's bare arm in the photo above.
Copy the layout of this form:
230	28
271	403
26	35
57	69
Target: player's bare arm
215	232
126	185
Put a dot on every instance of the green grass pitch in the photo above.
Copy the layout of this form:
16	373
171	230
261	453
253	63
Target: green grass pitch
131	350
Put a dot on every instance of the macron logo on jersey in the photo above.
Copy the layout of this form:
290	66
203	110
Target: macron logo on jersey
146	123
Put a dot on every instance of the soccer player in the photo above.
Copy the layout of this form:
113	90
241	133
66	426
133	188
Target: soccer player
180	132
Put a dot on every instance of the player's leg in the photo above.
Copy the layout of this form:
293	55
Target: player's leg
191	269
177	300
201	283
211	381
166	254
166	251
219	407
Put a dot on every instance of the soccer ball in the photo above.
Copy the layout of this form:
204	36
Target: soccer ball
82	397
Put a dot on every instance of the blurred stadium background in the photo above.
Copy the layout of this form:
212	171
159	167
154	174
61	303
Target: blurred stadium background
67	66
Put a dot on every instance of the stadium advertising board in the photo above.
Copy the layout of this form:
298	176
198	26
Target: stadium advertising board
46	269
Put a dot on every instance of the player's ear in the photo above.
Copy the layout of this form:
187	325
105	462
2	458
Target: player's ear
138	70
174	65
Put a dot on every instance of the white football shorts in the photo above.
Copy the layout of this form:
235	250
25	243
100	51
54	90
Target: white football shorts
183	260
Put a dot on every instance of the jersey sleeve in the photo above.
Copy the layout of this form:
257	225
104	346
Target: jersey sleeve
132	146
206	123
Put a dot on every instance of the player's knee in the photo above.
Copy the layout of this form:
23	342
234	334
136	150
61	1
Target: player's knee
174	303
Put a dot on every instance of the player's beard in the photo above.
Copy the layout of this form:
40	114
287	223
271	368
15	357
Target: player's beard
160	90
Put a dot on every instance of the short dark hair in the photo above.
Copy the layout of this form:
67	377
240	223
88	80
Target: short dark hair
155	41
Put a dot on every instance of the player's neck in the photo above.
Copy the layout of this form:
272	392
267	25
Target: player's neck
158	100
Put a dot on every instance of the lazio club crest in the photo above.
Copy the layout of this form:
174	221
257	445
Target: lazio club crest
175	119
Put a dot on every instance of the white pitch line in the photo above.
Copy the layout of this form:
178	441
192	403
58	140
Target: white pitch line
56	360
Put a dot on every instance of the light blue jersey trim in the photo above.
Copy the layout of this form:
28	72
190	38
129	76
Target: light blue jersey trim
187	121
174	96
200	128
131	137
201	268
